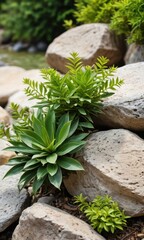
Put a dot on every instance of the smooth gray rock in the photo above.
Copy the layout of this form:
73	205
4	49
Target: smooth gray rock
90	41
125	109
19	46
44	222
114	164
12	202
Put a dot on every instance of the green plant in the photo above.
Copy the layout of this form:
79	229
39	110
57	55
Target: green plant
81	90
125	17
129	20
91	11
44	145
34	20
103	213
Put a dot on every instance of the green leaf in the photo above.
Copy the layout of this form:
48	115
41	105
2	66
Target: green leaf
40	130
86	125
37	184
56	179
14	170
78	137
69	163
52	158
37	156
50	123
33	138
25	178
52	169
82	111
22	148
63	134
64	119
31	163
41	172
73	127
17	160
68	147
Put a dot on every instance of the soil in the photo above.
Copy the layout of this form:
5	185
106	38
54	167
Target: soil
133	231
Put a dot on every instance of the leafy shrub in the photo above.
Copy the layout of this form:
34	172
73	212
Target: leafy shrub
125	16
90	11
44	146
34	20
103	213
129	20
81	90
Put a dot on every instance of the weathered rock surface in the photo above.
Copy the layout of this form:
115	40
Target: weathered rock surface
19	97
12	202
126	107
44	222
5	155
4	116
10	82
135	53
114	164
90	41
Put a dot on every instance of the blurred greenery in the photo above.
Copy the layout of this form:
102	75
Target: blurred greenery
125	17
23	59
34	21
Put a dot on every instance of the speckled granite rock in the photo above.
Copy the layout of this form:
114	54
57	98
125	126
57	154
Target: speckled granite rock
12	202
114	164
125	109
90	41
44	222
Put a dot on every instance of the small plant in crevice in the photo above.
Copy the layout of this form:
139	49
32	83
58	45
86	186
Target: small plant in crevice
103	213
44	147
81	90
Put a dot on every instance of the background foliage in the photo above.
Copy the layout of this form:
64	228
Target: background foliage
89	11
34	20
125	16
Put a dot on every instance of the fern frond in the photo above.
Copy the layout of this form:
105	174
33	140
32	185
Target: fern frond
35	89
75	63
21	114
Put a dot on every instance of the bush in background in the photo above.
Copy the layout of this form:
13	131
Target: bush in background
129	20
125	16
34	21
90	11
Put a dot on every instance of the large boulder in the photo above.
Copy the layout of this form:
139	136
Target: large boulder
44	222
4	116
90	41
113	163
12	202
126	107
10	82
5	155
